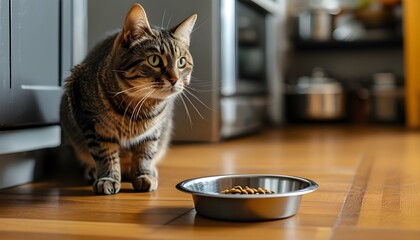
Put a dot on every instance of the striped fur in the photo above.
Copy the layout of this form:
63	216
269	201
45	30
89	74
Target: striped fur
118	104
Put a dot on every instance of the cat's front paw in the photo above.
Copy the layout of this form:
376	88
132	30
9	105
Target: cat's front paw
106	186
145	183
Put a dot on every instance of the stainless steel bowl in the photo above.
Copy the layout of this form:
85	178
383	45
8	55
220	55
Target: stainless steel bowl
283	203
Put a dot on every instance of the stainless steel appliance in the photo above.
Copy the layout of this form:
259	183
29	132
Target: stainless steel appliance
232	60
243	67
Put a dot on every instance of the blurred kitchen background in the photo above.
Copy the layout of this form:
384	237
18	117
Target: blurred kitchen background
281	62
345	62
258	63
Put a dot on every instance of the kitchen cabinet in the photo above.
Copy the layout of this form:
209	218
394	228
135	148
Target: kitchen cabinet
35	49
39	42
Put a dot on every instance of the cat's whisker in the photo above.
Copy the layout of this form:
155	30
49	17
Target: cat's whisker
199	85
127	90
133	112
198	90
125	112
196	98
186	110
129	104
131	120
136	89
169	22
137	107
200	81
204	87
123	91
143	101
199	26
163	18
140	89
189	100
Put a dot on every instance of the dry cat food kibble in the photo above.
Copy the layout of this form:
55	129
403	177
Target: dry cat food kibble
246	190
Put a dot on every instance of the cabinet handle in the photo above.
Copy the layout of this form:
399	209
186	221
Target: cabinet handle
41	87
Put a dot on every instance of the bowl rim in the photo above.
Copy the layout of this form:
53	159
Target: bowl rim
312	186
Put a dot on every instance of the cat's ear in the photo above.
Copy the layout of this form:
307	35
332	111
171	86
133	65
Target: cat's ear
183	31
136	23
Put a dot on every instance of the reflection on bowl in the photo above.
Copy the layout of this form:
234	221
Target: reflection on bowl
283	203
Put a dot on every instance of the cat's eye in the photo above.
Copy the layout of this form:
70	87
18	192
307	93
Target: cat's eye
154	60
182	62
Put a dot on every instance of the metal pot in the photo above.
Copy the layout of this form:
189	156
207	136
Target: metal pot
315	25
318	97
387	98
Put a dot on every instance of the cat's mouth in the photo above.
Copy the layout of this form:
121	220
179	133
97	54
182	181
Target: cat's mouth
167	92
156	91
174	87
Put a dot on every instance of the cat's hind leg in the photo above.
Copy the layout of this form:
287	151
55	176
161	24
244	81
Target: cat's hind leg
89	166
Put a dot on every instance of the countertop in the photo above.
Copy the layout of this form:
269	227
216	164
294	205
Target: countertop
369	181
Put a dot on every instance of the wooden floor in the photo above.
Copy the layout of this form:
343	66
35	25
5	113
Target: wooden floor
369	189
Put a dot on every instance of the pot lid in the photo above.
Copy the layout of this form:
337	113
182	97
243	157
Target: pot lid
318	83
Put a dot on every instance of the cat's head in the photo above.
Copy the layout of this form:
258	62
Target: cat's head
152	63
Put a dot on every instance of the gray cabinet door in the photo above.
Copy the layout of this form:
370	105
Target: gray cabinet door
35	42
4	53
32	94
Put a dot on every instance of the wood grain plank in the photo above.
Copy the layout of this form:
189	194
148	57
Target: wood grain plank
350	212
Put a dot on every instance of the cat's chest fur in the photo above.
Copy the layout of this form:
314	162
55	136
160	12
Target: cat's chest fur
132	127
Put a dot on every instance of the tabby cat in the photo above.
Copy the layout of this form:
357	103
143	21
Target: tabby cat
118	103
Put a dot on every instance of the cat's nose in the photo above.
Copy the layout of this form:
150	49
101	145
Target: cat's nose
173	80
